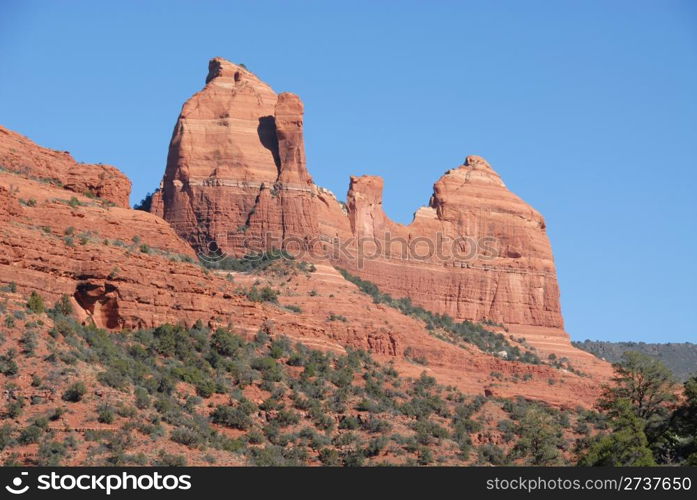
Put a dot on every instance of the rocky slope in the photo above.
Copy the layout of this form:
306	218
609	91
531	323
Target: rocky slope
236	179
124	268
76	395
19	154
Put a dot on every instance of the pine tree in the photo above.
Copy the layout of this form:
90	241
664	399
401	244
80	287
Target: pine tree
683	425
627	445
540	438
645	382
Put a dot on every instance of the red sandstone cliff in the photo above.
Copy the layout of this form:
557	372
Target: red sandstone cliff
236	175
19	154
476	252
236	165
124	268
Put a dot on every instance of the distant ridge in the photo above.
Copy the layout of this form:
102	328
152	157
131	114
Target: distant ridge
680	357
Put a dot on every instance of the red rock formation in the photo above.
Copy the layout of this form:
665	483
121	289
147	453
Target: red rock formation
21	155
127	268
236	171
476	252
291	147
236	174
9	204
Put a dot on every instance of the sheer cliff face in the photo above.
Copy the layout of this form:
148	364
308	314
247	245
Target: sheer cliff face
476	252
236	175
236	165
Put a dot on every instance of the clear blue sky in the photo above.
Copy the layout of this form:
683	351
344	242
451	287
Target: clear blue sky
587	109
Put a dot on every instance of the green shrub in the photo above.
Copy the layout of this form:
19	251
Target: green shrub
427	431
62	307
6	440
35	304
187	437
330	457
29	343
269	368
226	343
349	422
74	202
56	414
280	347
376	446
270	456
112	378
51	453
265	294
173	341
169	460
8	366
491	454
337	317
30	434
15	408
105	414
353	458
376	426
425	456
202	381
75	392
142	400
250	262
255	437
235	417
287	417
126	411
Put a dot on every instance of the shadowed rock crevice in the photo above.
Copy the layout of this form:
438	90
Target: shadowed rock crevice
269	139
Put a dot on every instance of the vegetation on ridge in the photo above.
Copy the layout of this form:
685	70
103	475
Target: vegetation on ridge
173	395
463	331
649	424
146	203
255	261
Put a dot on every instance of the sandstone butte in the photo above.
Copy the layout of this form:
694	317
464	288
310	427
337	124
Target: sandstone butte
236	179
236	169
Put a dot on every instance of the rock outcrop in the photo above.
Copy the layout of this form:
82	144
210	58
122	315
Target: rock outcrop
236	176
125	268
21	155
476	252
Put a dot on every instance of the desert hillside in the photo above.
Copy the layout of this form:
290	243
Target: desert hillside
113	317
